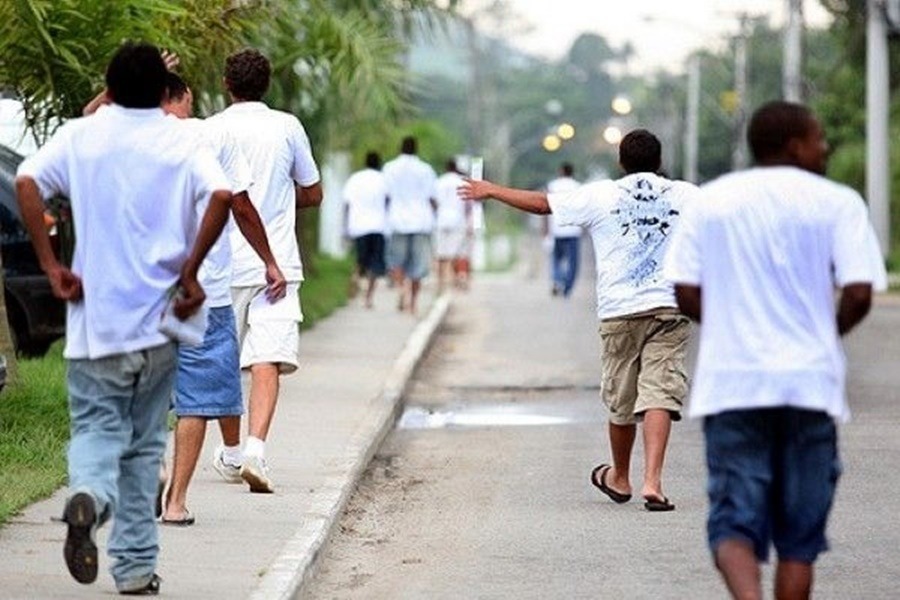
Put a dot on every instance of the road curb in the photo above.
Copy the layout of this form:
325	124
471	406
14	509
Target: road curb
294	566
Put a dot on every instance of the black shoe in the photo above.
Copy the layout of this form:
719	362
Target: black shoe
80	550
150	589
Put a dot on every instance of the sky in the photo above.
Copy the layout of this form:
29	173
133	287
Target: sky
663	32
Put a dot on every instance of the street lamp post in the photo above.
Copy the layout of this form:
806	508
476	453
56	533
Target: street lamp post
877	145
792	77
692	119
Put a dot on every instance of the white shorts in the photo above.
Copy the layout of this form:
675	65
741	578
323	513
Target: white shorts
450	243
268	333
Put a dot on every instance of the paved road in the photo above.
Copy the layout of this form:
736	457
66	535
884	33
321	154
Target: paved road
483	492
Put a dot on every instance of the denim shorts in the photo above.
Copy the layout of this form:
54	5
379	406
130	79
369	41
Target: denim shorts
772	478
208	383
410	252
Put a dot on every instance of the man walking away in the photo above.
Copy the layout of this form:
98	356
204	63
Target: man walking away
757	261
454	226
565	252
365	216
643	335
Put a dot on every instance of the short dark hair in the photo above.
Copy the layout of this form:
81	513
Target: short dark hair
176	87
567	169
640	152
136	76
408	145
774	124
247	74
373	160
450	166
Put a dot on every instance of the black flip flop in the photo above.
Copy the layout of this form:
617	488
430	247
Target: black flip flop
600	484
657	505
186	520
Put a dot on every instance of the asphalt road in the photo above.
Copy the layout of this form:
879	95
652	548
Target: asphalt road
482	491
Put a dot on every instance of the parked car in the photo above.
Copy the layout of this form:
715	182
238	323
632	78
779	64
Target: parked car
36	317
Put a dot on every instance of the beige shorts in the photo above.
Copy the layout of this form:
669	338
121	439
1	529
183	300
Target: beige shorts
642	360
268	333
449	243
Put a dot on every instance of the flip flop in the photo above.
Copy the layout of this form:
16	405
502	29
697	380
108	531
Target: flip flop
186	520
656	505
600	484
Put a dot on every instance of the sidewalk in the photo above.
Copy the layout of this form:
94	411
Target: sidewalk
331	417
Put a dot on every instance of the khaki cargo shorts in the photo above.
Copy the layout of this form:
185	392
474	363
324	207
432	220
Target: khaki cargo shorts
642	359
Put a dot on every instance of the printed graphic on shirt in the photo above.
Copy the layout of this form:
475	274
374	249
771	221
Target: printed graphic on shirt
645	213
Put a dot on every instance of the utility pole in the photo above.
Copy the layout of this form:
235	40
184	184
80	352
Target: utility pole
739	152
877	145
792	73
691	120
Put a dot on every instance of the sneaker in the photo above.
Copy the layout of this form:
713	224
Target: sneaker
229	472
80	550
151	588
256	473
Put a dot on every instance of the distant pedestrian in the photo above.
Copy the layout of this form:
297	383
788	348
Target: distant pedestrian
757	261
365	215
134	178
285	178
453	231
566	239
411	221
643	334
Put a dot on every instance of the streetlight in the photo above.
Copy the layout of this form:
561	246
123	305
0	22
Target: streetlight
552	143
621	105
565	131
612	135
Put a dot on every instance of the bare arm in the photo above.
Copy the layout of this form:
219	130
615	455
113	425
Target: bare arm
689	301
310	196
854	305
65	284
252	228
526	200
96	102
211	226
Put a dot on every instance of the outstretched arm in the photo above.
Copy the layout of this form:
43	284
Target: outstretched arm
247	218
526	200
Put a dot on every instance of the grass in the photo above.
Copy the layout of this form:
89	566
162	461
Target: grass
34	418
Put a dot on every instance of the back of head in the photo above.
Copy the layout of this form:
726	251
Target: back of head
373	160
567	169
773	126
640	152
247	74
450	166
409	145
136	76
176	87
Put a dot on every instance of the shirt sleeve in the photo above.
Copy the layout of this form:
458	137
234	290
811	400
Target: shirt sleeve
580	205
683	262
304	169
235	164
856	253
49	167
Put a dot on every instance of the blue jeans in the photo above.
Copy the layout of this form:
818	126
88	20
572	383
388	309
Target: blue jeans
565	263
118	407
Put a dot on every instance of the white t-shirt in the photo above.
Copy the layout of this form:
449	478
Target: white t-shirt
451	209
630	221
767	247
410	183
215	272
365	195
560	185
134	178
279	153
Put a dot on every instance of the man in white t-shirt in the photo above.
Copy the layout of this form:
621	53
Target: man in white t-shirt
285	178
453	229
565	255
757	261
410	183
630	221
134	178
365	216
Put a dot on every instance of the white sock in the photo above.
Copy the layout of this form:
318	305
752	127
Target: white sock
231	455
254	447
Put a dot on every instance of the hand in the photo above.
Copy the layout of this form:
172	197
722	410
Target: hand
189	298
473	189
65	284
170	59
276	284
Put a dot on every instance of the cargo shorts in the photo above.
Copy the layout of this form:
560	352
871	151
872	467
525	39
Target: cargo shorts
642	362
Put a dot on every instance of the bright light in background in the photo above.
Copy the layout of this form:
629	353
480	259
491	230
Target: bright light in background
565	131
612	135
552	143
621	105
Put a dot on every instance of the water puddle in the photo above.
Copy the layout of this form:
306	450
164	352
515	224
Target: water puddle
417	417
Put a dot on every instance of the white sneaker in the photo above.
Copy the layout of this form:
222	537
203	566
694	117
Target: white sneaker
256	473
230	473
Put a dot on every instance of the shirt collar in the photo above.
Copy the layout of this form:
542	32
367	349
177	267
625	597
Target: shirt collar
247	106
138	113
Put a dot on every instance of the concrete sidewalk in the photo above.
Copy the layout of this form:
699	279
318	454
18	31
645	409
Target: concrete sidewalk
331	418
